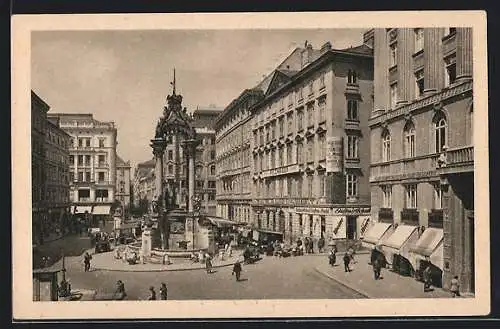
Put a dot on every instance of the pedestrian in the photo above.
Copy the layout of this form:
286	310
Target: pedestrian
163	291
208	263
455	287
152	292
86	261
237	270
120	293
332	258
321	244
311	246
347	260
427	278
376	268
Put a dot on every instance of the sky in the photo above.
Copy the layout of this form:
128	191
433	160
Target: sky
124	76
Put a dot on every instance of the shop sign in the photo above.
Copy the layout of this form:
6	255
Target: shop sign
317	211
334	154
352	210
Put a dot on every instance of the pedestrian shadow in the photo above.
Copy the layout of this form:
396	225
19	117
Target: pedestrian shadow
242	280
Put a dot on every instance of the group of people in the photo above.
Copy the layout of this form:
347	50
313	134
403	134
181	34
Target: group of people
163	292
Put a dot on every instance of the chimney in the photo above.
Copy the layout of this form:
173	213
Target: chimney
326	47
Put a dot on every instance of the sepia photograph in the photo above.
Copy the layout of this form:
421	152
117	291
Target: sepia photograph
248	165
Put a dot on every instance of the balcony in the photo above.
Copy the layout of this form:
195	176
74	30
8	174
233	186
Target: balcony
351	124
386	215
352	89
456	160
416	167
102	165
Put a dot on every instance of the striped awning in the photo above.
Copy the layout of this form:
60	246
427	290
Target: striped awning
221	222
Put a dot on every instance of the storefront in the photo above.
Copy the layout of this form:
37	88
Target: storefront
101	213
397	246
376	234
334	223
428	251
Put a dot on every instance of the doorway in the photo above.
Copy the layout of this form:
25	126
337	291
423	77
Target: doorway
351	227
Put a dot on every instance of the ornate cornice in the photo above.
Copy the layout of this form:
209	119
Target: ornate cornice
438	101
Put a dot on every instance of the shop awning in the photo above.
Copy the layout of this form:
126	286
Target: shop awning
82	209
428	241
101	210
437	256
399	237
375	233
221	222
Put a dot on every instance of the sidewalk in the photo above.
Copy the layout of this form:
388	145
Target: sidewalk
69	245
392	285
107	262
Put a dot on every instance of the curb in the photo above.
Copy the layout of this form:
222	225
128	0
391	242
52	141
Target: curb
359	291
161	270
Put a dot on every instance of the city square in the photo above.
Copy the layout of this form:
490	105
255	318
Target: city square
338	164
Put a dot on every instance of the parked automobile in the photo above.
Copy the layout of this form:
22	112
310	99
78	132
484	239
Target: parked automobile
102	246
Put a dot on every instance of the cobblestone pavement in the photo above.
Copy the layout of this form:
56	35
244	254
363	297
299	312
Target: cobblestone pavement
392	285
270	278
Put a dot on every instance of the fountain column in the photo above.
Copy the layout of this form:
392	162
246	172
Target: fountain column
191	222
159	145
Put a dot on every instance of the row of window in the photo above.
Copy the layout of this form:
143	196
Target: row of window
57	139
440	130
283	156
84	176
87	141
300	186
86	160
449	67
235	160
411	196
240	183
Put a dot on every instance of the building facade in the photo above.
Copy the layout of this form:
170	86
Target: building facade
57	143
50	175
92	165
308	144
422	163
39	111
123	183
143	185
233	137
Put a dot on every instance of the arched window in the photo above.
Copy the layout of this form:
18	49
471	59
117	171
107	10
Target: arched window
352	77
409	140
386	146
440	133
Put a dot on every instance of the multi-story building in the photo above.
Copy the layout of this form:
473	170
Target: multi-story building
50	160
422	170
39	111
141	186
123	185
309	145
92	164
57	143
233	135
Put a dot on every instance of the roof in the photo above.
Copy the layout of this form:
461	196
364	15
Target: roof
121	163
38	102
363	49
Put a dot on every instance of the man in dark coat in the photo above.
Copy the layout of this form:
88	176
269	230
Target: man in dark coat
163	291
86	261
347	260
152	292
237	270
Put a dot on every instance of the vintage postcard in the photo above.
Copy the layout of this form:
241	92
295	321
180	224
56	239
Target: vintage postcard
250	165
